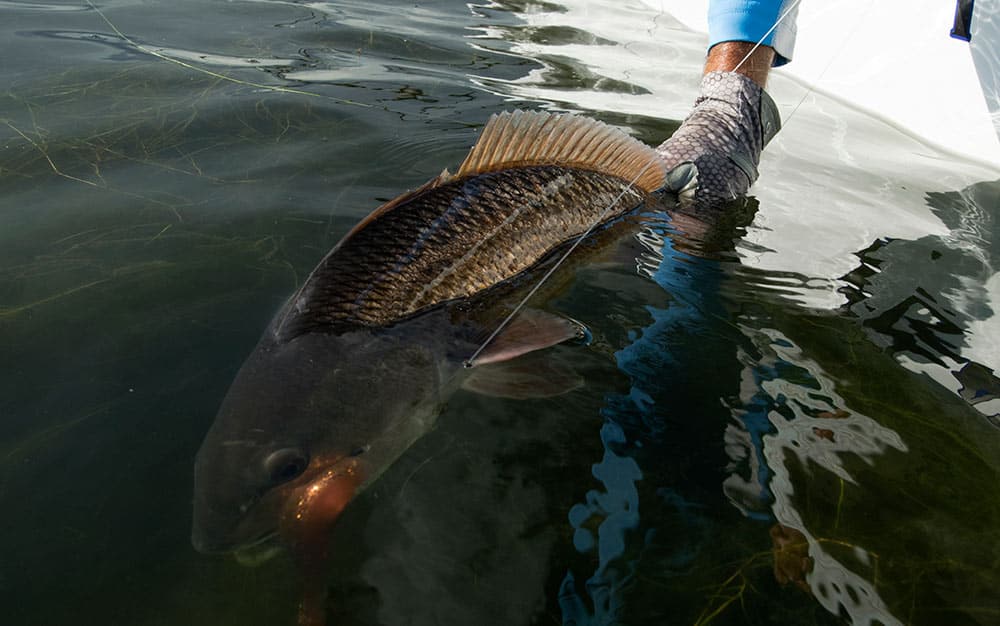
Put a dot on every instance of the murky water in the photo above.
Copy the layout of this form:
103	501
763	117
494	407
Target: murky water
795	424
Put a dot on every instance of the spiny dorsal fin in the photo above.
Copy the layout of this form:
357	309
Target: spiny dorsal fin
522	138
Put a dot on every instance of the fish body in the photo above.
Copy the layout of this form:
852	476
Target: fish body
363	357
455	240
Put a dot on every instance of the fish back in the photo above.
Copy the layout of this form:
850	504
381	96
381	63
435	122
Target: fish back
503	212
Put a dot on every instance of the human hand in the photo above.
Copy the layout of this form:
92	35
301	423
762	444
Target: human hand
713	156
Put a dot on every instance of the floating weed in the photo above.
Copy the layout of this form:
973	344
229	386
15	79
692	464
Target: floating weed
731	589
40	438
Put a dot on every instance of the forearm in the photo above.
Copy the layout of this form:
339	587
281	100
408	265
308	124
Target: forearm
769	22
729	56
713	156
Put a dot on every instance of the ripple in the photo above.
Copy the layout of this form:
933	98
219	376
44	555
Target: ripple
554	35
222	60
41	6
368	71
204	58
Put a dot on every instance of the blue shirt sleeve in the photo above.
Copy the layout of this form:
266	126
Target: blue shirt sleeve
749	20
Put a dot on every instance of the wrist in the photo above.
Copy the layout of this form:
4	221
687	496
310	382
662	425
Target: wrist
741	57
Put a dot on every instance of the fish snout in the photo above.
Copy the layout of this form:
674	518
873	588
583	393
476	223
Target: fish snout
204	543
221	524
211	530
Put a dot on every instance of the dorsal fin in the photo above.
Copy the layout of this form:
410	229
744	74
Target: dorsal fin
522	138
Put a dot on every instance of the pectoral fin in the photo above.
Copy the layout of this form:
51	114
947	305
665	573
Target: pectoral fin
531	376
523	379
531	330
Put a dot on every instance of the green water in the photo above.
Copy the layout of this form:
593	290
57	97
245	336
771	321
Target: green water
154	216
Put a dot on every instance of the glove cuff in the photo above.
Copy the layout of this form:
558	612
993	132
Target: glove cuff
770	118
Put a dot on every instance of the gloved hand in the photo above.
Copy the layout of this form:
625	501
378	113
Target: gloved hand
714	154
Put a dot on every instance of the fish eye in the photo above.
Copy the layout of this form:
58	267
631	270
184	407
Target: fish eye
285	464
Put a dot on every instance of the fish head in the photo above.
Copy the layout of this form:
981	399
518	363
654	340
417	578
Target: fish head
306	424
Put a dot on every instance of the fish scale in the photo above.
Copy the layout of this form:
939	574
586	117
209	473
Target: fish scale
453	241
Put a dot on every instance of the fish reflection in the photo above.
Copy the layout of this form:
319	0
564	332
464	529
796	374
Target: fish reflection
786	414
659	412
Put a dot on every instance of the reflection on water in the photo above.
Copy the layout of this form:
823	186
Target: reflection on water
734	457
617	509
803	460
819	431
786	405
931	301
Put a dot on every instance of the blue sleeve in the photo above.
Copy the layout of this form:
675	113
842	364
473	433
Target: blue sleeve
750	20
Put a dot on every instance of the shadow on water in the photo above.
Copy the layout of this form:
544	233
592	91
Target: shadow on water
733	457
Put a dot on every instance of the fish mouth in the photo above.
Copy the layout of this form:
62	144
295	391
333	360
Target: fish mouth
258	551
205	545
248	553
280	507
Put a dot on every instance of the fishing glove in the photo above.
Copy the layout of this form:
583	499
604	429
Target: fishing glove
714	154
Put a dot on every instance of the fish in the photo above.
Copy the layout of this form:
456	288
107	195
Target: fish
365	355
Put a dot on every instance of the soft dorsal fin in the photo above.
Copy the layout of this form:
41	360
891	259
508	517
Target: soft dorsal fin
521	138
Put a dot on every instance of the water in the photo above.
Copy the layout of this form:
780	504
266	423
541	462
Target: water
798	427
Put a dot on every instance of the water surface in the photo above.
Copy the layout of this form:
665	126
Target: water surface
795	422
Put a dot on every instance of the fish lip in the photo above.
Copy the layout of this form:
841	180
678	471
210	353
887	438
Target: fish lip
263	538
258	550
267	541
206	546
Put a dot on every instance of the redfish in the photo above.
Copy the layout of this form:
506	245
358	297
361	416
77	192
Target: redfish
362	359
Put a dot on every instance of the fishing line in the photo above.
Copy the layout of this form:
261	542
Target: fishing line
470	361
765	35
809	86
506	321
195	68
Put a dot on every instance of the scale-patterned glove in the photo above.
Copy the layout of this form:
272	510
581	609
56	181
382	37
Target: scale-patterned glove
714	154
